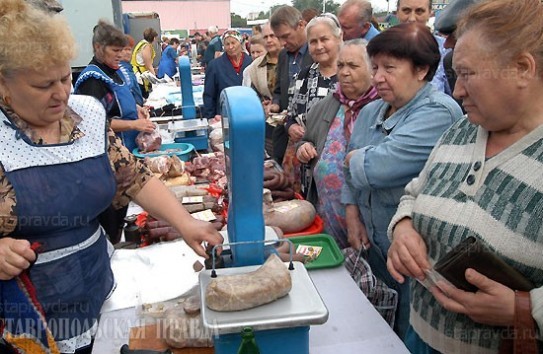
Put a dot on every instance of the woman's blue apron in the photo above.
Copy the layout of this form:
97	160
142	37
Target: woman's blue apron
123	96
60	190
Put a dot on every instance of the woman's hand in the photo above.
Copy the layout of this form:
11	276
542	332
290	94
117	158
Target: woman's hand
216	119
143	125
407	254
15	256
356	230
296	132
348	158
195	232
306	152
273	108
143	112
493	304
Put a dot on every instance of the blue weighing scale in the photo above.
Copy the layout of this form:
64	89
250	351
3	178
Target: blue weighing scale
286	320
193	131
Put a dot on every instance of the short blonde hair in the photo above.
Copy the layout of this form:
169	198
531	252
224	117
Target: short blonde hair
31	38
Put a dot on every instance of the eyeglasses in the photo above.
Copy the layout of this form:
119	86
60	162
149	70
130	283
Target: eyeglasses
331	17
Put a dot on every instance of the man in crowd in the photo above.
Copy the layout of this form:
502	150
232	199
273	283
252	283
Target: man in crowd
355	20
289	27
446	25
214	48
420	11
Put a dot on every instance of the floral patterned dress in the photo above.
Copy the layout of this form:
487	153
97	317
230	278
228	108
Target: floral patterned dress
329	179
308	88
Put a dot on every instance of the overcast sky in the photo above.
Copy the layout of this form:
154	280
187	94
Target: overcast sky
244	7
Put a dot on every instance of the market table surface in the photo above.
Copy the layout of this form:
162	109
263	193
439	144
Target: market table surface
353	326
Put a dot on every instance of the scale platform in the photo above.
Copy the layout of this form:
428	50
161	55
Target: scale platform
303	305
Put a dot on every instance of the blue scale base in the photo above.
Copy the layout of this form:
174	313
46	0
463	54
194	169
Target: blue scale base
199	142
274	341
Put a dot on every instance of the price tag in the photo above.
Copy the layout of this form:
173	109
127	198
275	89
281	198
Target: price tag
206	215
310	252
285	208
192	200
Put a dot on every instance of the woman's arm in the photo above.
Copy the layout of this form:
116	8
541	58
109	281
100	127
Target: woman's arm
159	202
147	55
210	91
122	125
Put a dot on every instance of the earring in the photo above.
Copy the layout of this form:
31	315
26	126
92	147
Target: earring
7	100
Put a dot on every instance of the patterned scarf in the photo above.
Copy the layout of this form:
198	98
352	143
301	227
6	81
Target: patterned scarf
353	107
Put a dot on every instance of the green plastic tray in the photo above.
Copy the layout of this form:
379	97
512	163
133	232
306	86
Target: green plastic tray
330	256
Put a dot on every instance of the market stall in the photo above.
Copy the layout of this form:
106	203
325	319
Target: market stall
158	282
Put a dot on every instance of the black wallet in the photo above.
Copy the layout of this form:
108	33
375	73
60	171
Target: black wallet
471	253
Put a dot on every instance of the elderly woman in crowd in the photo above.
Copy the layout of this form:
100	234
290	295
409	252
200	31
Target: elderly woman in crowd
127	69
169	59
329	126
106	80
224	71
143	57
391	142
257	46
60	167
483	179
311	85
261	76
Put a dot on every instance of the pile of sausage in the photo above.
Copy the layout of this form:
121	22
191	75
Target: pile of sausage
278	183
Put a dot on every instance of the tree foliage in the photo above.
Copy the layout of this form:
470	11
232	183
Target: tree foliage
301	5
237	21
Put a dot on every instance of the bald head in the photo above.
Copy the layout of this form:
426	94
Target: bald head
354	17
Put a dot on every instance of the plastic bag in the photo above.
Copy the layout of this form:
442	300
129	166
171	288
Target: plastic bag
148	142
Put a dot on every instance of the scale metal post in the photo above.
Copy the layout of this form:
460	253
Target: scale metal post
243	134
190	129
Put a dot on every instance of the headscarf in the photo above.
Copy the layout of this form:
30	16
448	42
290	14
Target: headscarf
231	33
353	107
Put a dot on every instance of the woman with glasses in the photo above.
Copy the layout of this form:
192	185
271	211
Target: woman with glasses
312	84
224	71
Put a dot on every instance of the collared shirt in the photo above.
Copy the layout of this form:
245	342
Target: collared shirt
372	32
295	61
392	151
440	81
270	72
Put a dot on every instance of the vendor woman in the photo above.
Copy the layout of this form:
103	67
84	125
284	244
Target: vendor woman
105	79
108	81
60	166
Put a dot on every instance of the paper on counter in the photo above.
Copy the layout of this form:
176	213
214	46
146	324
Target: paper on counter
159	272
